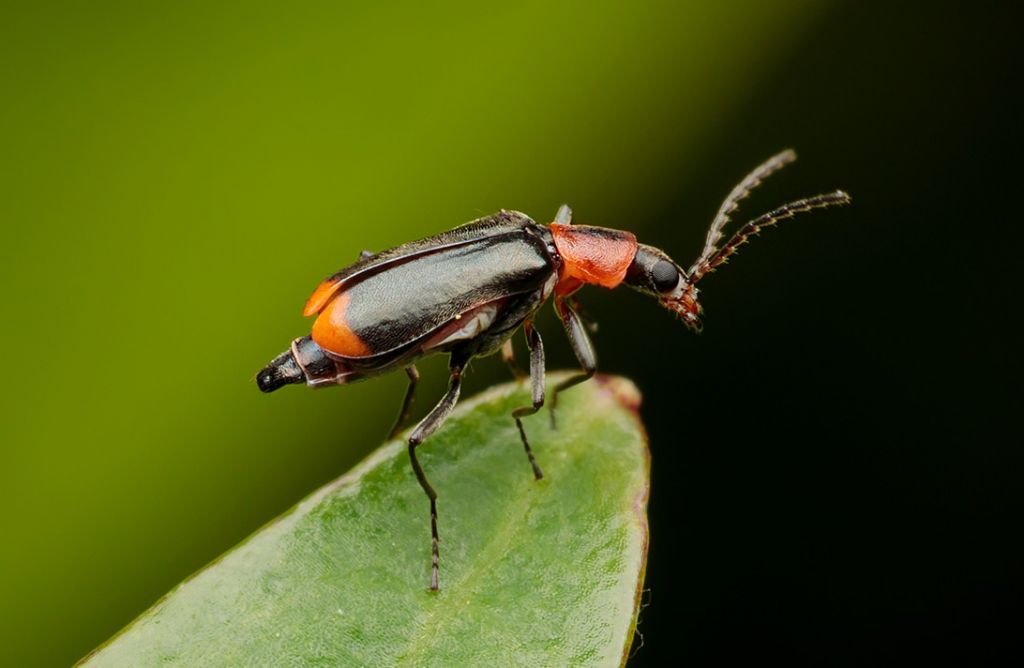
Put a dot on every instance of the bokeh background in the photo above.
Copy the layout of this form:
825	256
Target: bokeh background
836	469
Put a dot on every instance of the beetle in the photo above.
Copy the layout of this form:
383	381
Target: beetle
465	292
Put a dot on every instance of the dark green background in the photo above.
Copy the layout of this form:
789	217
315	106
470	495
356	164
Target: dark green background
835	479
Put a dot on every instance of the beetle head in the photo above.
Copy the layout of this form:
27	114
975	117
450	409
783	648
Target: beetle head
654	273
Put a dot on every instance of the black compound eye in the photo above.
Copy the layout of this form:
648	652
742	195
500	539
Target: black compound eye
664	276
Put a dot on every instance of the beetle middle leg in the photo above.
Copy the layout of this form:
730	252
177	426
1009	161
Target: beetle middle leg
424	429
410	395
581	345
533	340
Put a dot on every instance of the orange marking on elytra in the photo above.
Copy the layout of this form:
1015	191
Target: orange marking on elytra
318	300
332	332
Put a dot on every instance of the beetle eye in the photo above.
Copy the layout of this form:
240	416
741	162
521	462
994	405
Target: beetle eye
664	276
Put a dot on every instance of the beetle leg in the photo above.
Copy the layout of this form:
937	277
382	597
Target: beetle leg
537	386
564	215
581	345
425	428
589	322
403	415
508	357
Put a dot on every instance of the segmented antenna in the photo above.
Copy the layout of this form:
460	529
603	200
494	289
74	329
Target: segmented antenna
738	194
755	226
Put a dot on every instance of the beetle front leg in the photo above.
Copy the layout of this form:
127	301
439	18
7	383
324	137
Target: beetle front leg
410	395
425	428
533	340
581	345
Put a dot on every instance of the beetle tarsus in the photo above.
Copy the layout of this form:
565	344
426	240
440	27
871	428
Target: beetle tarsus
434	553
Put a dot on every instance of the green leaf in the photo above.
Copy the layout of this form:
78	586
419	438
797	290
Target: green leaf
533	573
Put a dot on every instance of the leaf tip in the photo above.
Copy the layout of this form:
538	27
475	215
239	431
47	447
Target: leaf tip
622	390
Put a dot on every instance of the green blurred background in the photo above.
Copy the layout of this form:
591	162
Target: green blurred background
834	478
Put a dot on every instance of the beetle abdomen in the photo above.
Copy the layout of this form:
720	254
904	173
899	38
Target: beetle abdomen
414	297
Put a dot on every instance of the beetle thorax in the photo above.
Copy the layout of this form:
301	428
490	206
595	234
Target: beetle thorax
593	255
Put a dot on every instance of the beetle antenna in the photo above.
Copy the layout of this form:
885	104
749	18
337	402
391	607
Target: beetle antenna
706	266
738	194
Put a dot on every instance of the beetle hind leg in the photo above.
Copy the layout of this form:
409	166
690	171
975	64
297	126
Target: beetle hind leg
537	388
423	430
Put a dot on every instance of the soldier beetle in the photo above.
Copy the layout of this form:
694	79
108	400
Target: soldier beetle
466	291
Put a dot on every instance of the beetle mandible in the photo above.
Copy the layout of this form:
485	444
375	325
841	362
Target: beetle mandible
466	291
